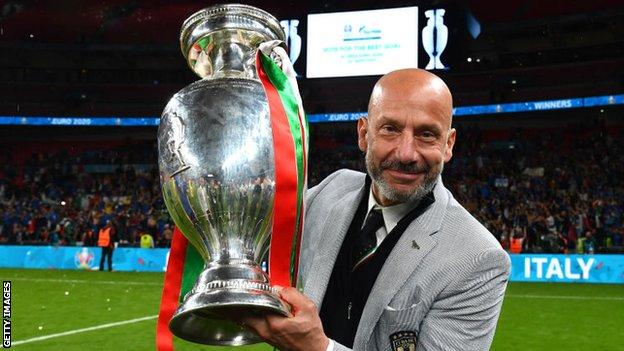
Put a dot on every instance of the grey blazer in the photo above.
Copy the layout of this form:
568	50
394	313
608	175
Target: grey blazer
444	281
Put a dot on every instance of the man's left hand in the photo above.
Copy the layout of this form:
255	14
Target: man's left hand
301	331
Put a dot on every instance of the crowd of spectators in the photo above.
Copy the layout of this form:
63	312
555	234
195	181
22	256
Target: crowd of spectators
61	199
557	190
537	190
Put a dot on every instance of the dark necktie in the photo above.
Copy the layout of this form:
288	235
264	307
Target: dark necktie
366	242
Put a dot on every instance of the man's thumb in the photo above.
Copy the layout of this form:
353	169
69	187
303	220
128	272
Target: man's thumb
297	300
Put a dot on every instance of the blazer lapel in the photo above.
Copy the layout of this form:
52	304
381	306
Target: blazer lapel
401	262
333	233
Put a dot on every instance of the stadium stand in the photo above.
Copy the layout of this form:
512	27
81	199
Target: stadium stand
532	199
60	199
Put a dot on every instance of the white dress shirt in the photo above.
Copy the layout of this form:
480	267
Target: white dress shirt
391	216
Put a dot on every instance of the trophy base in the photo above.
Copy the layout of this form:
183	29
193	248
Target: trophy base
225	292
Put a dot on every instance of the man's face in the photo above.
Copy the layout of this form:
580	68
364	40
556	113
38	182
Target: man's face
407	139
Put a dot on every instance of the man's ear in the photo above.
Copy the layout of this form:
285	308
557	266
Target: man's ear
450	142
362	129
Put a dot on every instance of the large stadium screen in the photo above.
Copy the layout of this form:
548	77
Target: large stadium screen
362	43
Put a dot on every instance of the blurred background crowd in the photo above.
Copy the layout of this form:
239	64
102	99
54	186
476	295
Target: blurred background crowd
556	190
61	199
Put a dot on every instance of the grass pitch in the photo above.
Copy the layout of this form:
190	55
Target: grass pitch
52	309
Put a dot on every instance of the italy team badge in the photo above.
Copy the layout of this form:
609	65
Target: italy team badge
403	341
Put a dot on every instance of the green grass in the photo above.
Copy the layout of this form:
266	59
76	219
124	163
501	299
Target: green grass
559	316
47	302
534	317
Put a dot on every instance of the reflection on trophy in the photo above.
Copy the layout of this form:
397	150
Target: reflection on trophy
217	169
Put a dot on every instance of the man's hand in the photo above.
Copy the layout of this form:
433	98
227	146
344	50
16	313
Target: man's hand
302	331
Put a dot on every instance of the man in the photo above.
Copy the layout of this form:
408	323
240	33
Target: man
147	241
106	237
165	238
433	277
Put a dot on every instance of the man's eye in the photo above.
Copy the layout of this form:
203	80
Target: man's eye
428	135
389	129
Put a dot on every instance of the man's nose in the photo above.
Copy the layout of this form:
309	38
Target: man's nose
407	150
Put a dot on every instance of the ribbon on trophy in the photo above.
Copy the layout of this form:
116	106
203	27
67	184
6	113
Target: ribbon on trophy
290	144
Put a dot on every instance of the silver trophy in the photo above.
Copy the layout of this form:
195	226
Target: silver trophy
217	172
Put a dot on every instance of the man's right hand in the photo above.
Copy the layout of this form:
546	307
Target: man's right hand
301	331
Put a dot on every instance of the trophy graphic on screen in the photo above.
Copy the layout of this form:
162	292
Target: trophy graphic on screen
292	38
219	173
435	38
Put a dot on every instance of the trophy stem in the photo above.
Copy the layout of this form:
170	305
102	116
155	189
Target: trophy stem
226	290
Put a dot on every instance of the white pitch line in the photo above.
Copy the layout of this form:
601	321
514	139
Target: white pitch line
564	297
76	331
85	281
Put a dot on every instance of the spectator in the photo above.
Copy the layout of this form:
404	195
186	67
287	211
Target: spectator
165	238
89	238
589	245
147	242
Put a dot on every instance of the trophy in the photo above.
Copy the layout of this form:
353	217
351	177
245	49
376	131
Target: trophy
217	170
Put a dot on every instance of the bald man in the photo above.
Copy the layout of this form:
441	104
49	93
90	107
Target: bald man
389	259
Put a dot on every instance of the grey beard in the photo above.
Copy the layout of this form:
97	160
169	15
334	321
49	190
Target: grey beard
431	177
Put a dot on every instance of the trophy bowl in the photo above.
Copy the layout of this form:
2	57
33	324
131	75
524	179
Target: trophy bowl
217	173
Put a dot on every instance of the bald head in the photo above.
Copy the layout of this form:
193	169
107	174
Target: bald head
407	136
412	85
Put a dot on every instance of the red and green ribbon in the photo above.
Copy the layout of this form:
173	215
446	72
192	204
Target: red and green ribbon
290	140
176	264
289	145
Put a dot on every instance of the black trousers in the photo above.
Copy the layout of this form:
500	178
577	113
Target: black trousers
107	252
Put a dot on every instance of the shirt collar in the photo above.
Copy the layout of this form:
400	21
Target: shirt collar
391	214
